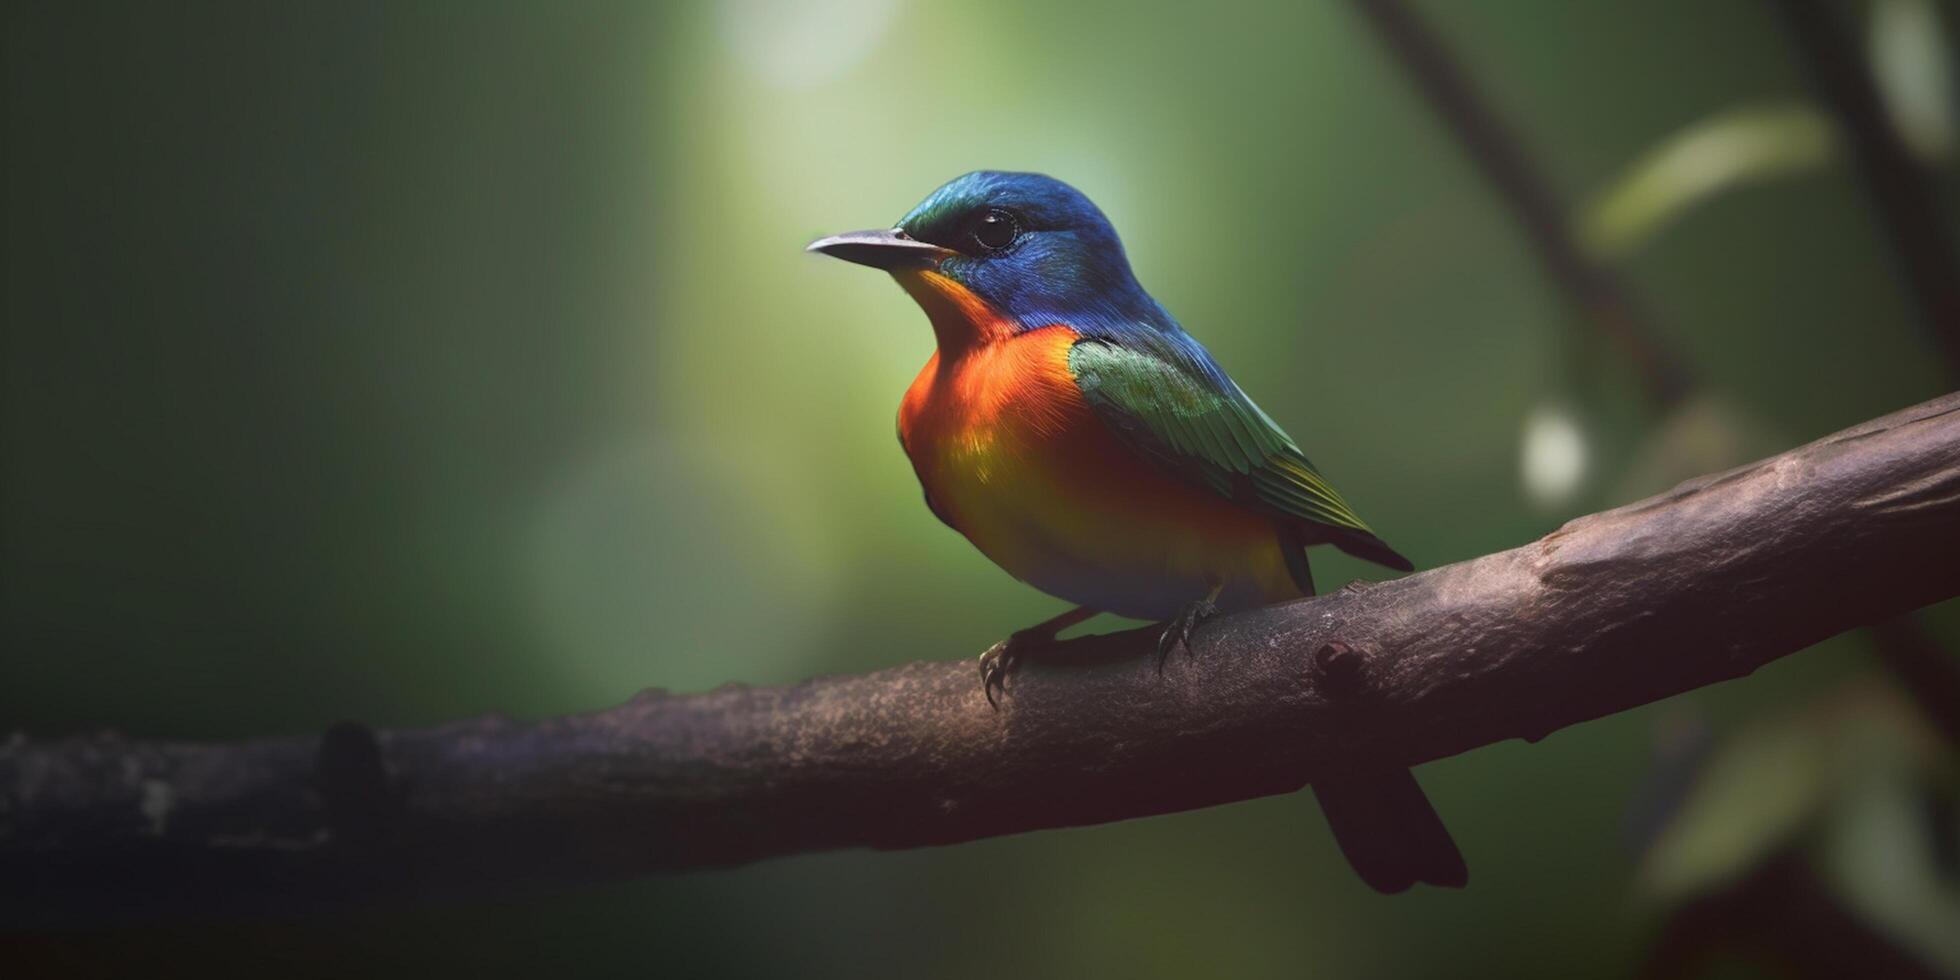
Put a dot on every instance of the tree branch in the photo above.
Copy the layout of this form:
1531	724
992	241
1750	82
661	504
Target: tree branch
1704	583
1908	210
1900	191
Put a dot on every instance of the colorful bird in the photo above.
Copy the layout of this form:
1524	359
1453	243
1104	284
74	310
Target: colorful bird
1072	430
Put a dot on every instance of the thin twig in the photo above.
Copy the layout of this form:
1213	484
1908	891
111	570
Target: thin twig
1908	209
1596	290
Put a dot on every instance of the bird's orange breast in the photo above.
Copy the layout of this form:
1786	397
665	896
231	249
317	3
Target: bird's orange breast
1012	456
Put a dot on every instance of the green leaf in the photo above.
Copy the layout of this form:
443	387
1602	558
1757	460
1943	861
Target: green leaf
1734	148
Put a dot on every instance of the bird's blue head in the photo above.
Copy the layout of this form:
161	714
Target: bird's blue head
995	253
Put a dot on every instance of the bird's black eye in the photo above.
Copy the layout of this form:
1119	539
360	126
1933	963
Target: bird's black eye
996	229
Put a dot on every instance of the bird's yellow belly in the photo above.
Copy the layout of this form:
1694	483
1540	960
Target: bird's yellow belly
1011	457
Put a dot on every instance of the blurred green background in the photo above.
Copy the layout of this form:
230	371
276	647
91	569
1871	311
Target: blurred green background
415	361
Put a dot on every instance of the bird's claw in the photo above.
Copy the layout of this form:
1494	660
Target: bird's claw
999	660
1180	629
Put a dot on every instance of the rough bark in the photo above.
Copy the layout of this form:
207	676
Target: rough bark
1702	584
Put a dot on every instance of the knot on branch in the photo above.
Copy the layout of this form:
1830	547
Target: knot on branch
360	796
1340	665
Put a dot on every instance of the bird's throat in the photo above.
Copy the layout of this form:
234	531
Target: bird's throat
960	319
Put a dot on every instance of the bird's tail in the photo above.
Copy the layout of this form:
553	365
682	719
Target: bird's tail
1390	833
1367	547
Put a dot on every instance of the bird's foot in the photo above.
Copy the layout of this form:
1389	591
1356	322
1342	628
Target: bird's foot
1000	660
1181	628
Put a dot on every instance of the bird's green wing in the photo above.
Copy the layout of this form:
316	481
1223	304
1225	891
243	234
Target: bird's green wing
1197	424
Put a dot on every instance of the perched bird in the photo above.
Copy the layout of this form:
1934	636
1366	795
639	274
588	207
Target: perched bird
1089	446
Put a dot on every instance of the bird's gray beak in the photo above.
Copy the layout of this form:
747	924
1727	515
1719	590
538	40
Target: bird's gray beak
888	250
